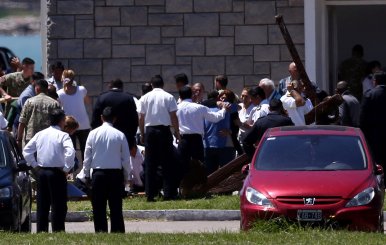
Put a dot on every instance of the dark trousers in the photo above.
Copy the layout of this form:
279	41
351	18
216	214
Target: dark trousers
81	135
217	157
190	147
159	152
107	186
51	192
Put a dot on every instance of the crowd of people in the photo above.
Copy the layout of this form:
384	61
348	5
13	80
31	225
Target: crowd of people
147	142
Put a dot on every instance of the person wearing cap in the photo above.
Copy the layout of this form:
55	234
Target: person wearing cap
34	116
56	79
107	154
372	118
55	155
277	117
73	98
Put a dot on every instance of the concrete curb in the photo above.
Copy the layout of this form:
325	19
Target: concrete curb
168	215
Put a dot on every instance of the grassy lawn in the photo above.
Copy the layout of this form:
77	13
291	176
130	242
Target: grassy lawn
139	203
254	237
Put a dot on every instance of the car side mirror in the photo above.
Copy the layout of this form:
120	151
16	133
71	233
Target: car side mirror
378	169
22	166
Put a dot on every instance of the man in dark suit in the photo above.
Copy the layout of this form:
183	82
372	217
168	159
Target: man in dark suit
277	117
124	109
373	118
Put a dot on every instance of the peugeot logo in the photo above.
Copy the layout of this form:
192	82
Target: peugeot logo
309	200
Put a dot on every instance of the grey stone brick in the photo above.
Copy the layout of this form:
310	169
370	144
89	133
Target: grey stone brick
190	46
253	80
145	35
298	3
227	31
183	60
97	48
84	17
169	71
70	48
93	84
236	84
244	50
201	25
84	29
119	2
100	2
103	32
86	66
292	15
116	68
51	7
179	6
133	88
238	6
236	65
134	16
207	81
138	61
121	35
220	46
259	12
149	2
208	65
156	9
281	3
128	51
279	70
168	40
61	27
266	53
213	5
144	73
251	34
285	54
172	31
160	54
261	68
232	18
75	7
296	32
165	19
107	16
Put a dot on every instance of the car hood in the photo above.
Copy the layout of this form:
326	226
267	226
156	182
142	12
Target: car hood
345	184
5	176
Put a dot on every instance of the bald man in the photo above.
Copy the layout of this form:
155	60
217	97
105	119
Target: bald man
294	75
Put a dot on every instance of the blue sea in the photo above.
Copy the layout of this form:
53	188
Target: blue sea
25	46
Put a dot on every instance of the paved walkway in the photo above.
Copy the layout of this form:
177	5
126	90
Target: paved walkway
159	226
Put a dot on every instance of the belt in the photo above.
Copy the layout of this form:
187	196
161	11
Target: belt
159	127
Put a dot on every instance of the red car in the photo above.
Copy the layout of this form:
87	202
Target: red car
314	174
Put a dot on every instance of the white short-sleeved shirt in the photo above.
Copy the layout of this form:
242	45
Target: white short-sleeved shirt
74	105
296	113
156	106
3	121
257	112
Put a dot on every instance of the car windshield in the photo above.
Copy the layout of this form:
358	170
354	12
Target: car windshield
3	158
311	152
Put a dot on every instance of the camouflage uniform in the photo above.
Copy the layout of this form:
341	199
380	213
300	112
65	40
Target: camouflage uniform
15	84
35	114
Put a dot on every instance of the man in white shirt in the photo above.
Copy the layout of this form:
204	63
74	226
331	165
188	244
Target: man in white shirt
295	104
157	113
55	156
191	118
107	153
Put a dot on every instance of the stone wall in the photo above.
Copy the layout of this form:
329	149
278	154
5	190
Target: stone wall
136	39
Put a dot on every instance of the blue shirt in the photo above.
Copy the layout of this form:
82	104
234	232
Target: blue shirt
212	138
28	92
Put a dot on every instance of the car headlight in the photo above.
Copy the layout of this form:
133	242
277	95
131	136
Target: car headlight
255	197
362	198
5	192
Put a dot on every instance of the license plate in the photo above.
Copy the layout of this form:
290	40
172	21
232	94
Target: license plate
309	215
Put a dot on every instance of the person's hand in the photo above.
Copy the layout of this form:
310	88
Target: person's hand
178	137
290	87
226	106
15	63
7	97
